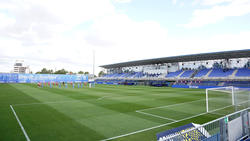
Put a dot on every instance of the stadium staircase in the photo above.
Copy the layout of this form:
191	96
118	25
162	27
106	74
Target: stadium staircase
180	74
187	74
195	72
210	71
234	73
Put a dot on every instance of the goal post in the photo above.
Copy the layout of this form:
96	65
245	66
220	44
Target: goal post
225	97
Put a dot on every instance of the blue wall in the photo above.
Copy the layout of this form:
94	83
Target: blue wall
193	87
34	78
198	87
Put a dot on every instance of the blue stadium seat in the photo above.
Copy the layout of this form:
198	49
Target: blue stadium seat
243	72
202	72
221	72
187	73
174	74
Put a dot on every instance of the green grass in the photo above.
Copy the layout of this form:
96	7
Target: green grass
50	114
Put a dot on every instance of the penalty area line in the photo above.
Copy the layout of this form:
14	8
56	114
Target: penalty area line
20	124
153	115
171	105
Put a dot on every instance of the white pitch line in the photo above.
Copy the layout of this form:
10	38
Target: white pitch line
146	129
20	124
171	105
155	115
103	97
218	114
139	131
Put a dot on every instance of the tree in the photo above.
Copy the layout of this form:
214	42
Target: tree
80	72
70	72
50	71
101	73
45	71
86	72
62	71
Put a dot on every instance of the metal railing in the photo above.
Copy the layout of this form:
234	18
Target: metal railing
215	129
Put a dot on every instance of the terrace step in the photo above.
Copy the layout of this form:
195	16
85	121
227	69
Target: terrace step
206	76
195	72
233	74
180	74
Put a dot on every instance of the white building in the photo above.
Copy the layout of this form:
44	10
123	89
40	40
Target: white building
19	67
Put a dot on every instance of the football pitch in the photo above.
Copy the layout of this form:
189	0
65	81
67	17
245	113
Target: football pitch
105	112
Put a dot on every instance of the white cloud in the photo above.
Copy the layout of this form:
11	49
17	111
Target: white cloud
57	34
216	13
214	2
5	21
174	1
182	4
45	34
37	31
123	1
47	16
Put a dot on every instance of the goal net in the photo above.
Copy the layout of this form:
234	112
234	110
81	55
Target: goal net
225	100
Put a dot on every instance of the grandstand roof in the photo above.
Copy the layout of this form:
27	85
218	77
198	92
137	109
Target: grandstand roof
184	58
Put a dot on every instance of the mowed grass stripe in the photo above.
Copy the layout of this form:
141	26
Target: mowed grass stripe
103	120
126	107
122	106
147	98
9	128
111	116
49	130
43	122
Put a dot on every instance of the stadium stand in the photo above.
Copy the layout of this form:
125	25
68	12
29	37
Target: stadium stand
117	78
242	72
230	68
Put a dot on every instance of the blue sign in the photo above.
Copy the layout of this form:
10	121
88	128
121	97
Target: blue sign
34	78
8	78
193	135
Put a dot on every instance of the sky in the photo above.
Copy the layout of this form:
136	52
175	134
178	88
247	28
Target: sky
58	34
